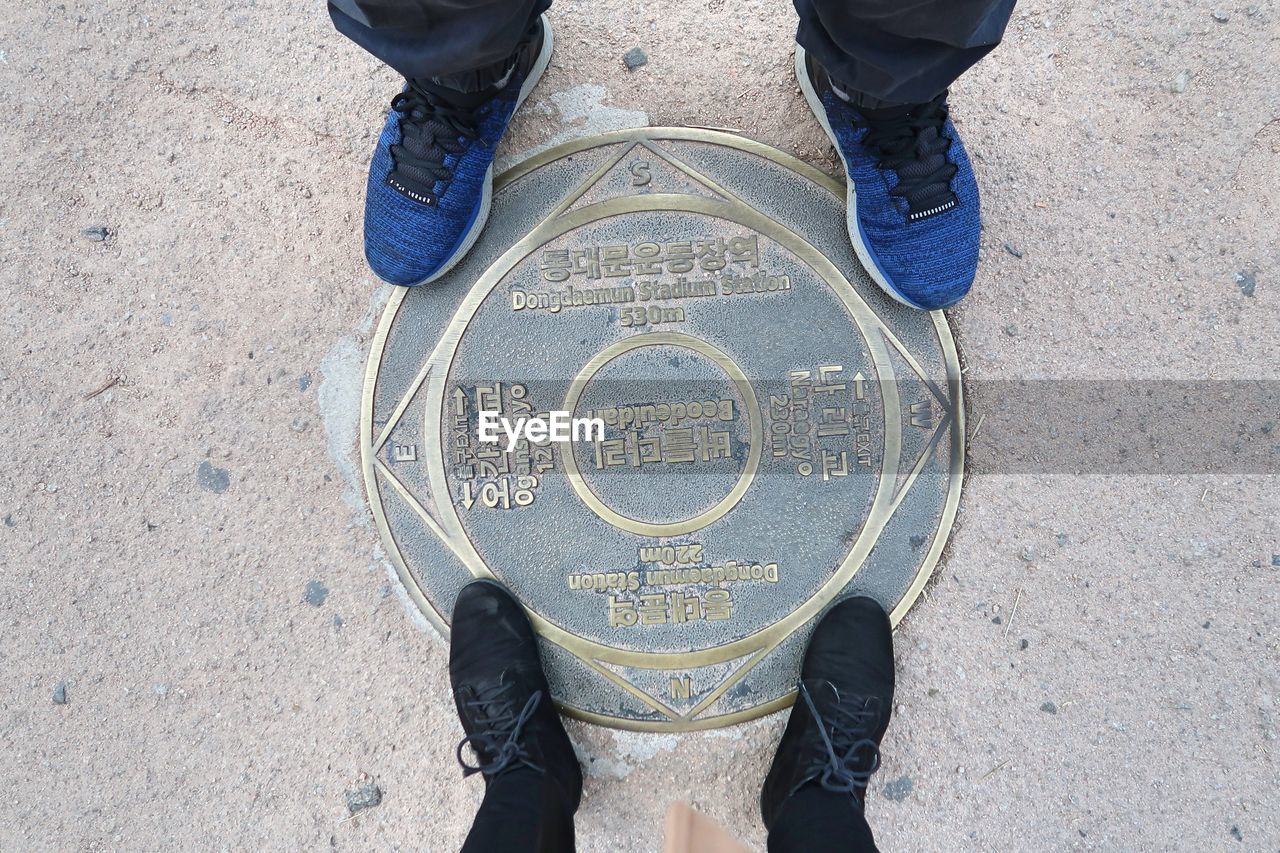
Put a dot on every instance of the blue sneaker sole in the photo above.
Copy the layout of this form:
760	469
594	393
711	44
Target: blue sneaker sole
481	215
856	236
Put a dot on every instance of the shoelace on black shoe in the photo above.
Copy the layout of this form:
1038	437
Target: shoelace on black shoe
499	733
432	128
912	144
851	756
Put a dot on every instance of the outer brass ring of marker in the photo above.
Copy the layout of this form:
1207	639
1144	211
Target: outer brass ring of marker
455	542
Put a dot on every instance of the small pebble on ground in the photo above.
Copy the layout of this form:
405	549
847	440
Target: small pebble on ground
97	234
315	594
364	796
1179	84
1017	253
60	693
216	480
634	58
1049	708
1247	282
899	789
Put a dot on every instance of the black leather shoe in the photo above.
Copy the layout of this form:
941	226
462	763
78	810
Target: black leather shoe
842	710
501	692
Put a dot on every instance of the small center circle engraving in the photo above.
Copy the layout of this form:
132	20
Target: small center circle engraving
678	412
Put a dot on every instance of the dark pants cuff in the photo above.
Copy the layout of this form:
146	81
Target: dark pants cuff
889	52
463	44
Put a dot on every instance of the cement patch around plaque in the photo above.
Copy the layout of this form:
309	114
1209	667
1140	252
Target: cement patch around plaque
778	433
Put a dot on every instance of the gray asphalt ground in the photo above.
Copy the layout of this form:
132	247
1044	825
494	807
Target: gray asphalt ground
185	546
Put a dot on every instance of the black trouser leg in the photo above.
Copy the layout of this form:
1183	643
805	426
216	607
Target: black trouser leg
463	44
815	820
523	812
900	51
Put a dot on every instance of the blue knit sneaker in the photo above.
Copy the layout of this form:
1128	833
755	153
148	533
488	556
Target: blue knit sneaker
431	178
913	202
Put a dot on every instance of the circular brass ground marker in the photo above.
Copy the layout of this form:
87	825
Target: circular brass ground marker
776	432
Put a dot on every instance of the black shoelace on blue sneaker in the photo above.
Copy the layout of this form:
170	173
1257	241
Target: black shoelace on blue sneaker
851	756
910	141
499	730
432	129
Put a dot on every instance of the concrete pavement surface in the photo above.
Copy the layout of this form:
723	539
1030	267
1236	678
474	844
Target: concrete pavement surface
202	644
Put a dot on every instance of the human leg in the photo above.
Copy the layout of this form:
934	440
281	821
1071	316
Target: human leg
431	175
814	796
877	80
532	779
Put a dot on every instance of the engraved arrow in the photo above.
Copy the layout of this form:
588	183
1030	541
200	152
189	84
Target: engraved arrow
460	401
467	499
859	385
